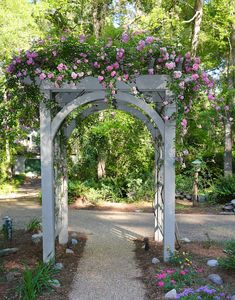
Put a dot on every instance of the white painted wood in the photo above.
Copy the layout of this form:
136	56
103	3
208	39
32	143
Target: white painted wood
91	84
63	234
169	183
47	184
133	105
76	103
158	200
92	97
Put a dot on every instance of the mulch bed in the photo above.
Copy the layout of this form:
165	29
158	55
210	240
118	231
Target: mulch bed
200	252
30	254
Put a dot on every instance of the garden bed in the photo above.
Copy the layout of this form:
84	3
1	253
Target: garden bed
30	254
199	252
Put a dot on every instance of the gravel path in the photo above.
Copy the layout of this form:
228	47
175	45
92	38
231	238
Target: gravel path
108	270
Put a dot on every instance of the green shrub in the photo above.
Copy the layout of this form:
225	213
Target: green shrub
36	281
34	225
184	183
229	261
223	189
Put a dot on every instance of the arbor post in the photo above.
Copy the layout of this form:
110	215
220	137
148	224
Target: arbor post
169	184
158	203
47	184
63	234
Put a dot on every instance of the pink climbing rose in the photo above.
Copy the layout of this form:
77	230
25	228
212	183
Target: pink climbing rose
74	75
42	76
170	65
184	122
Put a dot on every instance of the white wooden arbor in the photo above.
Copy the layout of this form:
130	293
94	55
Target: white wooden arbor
89	97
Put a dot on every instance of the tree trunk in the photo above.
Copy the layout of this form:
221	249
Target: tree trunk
97	18
196	25
101	166
228	170
228	159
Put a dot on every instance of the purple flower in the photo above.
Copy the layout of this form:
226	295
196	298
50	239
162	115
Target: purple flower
149	40
42	76
177	74
74	75
195	67
29	61
50	75
188	55
82	38
151	71
113	74
116	65
211	97
195	76
125	37
100	78
10	68
184	123
120	54
96	64
60	67
54	53
109	68
170	65
140	45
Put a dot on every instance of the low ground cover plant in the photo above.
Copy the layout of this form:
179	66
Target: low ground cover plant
229	261
34	225
188	279
36	281
203	292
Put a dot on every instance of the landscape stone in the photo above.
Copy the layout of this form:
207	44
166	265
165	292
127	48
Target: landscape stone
69	251
58	266
171	294
74	235
188	197
155	261
216	279
233	297
233	202
54	283
228	208
74	241
7	251
37	237
212	263
186	240
12	275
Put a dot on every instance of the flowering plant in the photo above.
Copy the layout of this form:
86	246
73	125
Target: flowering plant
203	292
176	278
71	58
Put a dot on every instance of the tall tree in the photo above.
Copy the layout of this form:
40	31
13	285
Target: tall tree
197	19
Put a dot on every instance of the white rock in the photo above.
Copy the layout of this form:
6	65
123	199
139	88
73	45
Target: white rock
74	241
54	283
74	235
186	240
233	202
216	279
233	297
155	261
37	237
69	251
171	294
212	263
58	266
